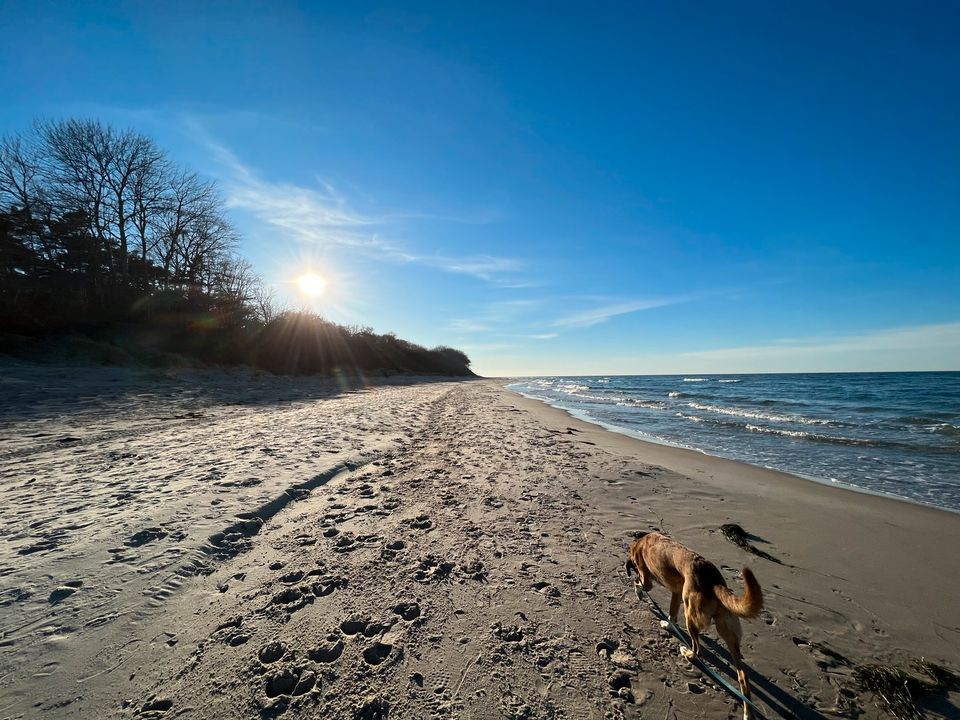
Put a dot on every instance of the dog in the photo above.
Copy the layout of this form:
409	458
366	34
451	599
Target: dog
698	584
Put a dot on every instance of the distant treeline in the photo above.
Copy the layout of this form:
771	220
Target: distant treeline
103	236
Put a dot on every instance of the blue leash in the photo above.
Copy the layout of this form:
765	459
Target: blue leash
702	665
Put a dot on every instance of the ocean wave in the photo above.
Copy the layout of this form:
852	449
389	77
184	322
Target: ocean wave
696	379
650	404
571	388
677	394
761	416
848	441
809	436
728	381
946	429
931	418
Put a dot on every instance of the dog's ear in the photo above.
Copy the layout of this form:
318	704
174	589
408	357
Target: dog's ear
628	566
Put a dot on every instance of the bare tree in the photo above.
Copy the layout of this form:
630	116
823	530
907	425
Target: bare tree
187	200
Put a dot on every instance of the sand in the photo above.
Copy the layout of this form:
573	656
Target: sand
212	545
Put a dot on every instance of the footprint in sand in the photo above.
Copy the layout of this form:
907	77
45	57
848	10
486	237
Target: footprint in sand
409	611
432	568
395	545
287	596
290	681
327	585
328	653
292	599
377	653
354	626
271	652
157	705
373	708
421	522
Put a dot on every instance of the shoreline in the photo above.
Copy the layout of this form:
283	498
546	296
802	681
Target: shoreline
635	435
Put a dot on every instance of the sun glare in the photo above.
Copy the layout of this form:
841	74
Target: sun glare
311	284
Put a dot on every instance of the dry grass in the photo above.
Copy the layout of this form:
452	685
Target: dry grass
899	691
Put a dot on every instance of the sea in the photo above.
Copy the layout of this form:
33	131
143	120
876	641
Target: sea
895	434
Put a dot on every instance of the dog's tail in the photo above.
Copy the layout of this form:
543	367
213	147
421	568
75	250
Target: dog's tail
750	604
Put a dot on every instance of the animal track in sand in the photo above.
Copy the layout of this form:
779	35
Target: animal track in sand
508	633
271	652
474	570
377	653
328	585
290	681
546	589
327	653
354	626
237	639
407	610
144	536
432	568
373	708
421	522
157	705
287	596
366	491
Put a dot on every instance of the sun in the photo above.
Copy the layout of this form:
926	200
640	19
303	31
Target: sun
312	284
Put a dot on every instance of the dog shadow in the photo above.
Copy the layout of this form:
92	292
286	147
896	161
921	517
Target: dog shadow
763	691
781	702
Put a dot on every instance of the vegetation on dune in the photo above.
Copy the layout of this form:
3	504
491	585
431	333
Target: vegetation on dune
103	238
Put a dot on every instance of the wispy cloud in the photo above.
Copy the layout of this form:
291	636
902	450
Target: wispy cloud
597	315
913	338
495	315
322	216
485	267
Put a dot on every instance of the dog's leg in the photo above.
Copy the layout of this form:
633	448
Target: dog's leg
692	629
674	610
694	650
728	628
674	607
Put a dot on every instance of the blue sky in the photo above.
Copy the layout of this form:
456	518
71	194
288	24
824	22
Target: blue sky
558	188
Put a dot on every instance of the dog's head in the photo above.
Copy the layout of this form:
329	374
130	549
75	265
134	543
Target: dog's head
629	565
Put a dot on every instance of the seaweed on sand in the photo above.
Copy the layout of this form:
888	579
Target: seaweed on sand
943	678
739	537
898	690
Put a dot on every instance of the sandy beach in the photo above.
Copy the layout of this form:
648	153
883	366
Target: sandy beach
206	544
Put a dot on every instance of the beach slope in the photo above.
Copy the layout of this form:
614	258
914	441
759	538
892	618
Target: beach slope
212	547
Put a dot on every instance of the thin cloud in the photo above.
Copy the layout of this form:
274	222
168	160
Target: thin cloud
495	315
598	315
322	216
918	337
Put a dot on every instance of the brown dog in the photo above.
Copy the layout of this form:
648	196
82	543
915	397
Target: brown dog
705	595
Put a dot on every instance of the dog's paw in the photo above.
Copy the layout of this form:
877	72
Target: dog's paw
664	624
686	653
